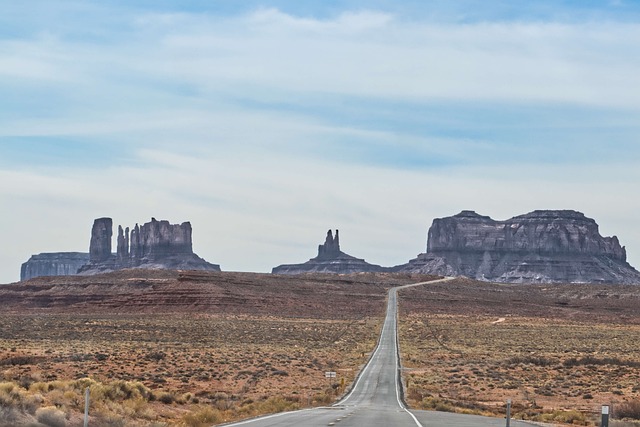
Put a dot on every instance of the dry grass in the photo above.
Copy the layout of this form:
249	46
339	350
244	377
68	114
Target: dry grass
553	370
169	370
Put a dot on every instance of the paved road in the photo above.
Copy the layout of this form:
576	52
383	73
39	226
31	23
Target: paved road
375	401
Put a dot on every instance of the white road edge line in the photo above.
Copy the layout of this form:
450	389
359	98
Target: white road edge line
265	417
398	367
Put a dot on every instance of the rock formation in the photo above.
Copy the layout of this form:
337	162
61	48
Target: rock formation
538	247
100	246
156	244
330	259
53	264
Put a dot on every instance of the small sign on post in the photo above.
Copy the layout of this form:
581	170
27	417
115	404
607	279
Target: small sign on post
330	376
605	416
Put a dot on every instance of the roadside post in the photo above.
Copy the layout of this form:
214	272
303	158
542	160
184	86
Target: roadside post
605	416
508	412
86	407
330	376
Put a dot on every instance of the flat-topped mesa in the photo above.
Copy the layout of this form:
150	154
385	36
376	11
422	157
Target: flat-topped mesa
542	232
156	244
541	246
330	259
53	264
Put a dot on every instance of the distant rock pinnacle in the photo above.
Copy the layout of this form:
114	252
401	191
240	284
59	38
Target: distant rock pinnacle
330	259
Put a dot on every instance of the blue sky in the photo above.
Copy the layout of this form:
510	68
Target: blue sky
266	123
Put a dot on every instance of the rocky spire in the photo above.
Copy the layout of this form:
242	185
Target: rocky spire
134	248
330	259
100	245
123	246
331	246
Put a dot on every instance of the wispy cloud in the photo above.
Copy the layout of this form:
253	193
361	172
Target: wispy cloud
266	125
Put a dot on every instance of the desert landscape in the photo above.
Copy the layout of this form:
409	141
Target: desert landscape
159	348
208	206
166	348
559	352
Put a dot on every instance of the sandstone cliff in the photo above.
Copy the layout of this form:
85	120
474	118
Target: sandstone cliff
53	264
541	246
330	259
154	245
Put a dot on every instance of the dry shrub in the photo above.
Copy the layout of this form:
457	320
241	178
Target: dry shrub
591	360
204	416
51	417
14	397
628	410
124	390
436	404
533	360
567	417
278	404
166	398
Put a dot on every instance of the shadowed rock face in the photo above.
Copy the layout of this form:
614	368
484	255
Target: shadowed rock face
541	246
331	247
330	259
53	264
156	244
100	246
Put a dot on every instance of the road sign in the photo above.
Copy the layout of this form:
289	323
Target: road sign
329	374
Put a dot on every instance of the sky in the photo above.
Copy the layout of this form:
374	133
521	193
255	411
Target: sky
265	123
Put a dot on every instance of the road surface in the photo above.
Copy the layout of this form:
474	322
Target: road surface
375	400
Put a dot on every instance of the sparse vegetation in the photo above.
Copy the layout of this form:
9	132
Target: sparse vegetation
555	369
168	370
466	347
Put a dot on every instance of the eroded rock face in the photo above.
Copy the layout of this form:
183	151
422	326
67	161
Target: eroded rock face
53	264
330	259
100	245
541	246
156	244
159	239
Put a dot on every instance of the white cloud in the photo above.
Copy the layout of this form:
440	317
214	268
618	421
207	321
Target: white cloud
583	64
365	54
222	114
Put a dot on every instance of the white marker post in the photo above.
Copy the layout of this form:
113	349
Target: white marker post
86	407
508	412
605	416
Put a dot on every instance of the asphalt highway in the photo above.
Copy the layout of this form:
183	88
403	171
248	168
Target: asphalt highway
375	399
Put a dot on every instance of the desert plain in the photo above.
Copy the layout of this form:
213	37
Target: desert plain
169	348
